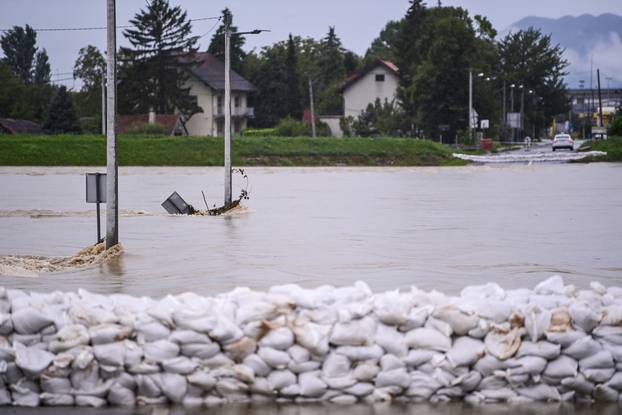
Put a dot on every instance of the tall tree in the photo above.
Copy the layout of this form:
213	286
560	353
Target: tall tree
293	101
61	117
90	67
160	59
13	95
42	69
19	47
217	44
383	47
331	73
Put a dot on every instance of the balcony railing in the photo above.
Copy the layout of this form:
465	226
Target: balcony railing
248	112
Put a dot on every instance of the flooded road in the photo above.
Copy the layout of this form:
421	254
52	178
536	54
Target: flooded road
440	228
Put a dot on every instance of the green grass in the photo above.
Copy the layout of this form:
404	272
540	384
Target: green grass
613	147
147	150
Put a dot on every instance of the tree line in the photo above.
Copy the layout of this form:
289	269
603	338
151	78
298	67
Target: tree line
433	47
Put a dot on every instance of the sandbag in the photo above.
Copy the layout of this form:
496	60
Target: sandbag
32	360
562	367
583	348
544	349
280	379
29	320
425	338
110	354
391	340
353	333
174	386
459	320
356	353
108	333
465	351
160	350
583	316
281	339
502	343
69	337
278	359
312	336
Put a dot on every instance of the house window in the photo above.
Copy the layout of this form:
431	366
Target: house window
379	77
236	102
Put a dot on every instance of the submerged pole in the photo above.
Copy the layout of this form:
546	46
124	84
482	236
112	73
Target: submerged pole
227	110
112	166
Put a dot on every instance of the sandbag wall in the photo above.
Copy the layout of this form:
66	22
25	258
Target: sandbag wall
553	343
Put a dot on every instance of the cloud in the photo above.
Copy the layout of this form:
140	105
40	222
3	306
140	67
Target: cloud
606	53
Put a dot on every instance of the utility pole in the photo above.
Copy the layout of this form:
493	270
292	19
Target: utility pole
112	166
504	116
312	108
104	105
600	101
522	111
512	106
470	106
227	104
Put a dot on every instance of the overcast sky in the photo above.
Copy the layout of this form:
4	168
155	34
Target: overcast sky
357	22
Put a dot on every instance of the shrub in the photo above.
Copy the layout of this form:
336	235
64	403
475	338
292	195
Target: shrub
289	127
259	132
150	129
615	129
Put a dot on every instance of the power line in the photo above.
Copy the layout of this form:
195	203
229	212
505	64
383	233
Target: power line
211	28
73	29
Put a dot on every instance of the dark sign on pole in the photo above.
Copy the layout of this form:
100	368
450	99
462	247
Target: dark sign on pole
176	205
96	193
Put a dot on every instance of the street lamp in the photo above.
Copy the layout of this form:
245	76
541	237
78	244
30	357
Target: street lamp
227	103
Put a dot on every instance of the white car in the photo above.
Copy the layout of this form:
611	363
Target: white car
563	141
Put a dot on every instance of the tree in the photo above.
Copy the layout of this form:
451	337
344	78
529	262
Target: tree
383	47
90	67
13	95
61	117
42	68
293	100
155	71
331	73
528	58
18	45
217	44
380	118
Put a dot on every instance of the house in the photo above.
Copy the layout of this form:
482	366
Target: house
12	126
377	81
207	84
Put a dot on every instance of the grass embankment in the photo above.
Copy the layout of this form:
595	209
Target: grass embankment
613	147
90	150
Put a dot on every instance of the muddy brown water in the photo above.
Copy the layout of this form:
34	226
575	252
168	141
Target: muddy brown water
437	228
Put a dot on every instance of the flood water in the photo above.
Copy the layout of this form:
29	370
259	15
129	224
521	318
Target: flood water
437	228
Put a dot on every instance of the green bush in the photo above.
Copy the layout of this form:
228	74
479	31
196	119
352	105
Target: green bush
289	127
150	129
616	127
258	132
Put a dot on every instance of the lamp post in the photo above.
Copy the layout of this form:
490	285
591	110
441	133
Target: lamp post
227	103
112	167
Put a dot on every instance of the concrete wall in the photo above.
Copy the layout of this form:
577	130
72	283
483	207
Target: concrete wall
367	89
333	124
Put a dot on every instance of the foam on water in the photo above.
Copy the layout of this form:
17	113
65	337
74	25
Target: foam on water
530	157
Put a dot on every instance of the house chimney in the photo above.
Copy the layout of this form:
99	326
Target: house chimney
152	116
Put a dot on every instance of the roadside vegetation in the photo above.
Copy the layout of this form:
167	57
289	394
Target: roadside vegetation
613	147
158	150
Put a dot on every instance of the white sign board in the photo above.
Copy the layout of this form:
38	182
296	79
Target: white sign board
484	124
96	188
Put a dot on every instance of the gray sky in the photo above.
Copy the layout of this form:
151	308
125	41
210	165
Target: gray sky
357	22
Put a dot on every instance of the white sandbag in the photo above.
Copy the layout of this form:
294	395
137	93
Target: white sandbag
600	360
55	385
562	367
25	393
312	336
552	285
612	315
353	333
360	389
356	353
51	399
68	337
112	354
584	316
202	379
281	339
255	311
29	320
240	348
439	325
391	340
278	359
396	377
121	396
488	364
615	381
498	395
150	330
425	338
537	321
465	351
599	375
200	350
180	365
541	392
148	385
459	320
343	400
174	386
392	307
609	334
335	366
244	373
339	383
469	381
220	360
7	354
527	365
225	331
544	349
419	357
108	333
579	384
390	362
503	344
89	401
583	348
6	324
561	320
280	379
311	385
302	367
298	353
564	339
259	366
144	368
604	393
188	336
82	356
365	372
192	321
416	317
31	360
160	350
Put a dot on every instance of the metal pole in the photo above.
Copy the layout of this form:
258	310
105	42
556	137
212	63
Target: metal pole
470	106
312	108
522	111
103	105
227	111
512	106
112	202
504	115
600	101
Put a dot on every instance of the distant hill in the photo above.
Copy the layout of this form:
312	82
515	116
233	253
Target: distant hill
584	37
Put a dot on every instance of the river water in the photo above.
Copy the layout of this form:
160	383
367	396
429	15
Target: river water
437	228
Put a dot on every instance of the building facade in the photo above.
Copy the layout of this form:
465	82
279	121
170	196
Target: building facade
377	81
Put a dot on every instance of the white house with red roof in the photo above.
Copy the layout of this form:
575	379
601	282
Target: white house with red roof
378	81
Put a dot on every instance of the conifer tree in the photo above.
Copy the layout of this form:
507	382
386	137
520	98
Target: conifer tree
155	71
217	44
294	103
42	71
61	117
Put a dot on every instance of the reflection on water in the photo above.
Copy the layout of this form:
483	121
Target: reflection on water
359	409
440	228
